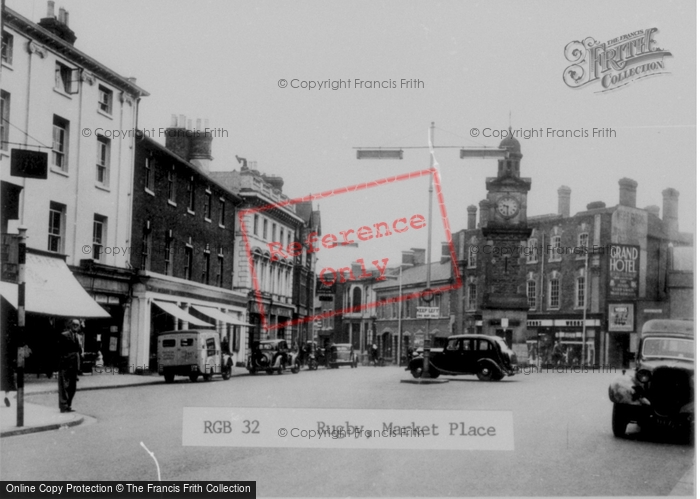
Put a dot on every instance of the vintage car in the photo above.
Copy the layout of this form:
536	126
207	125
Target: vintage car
486	356
192	353
271	356
659	392
342	354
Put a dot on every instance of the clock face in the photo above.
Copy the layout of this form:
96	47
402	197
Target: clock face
508	207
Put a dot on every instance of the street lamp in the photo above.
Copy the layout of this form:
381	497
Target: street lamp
397	153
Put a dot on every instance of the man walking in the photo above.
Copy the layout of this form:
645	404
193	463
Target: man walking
69	350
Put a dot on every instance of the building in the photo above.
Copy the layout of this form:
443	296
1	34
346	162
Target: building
397	318
285	283
182	245
58	100
607	266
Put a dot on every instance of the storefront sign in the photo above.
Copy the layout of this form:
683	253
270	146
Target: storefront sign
624	271
621	317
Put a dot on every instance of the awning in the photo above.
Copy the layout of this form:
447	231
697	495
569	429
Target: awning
219	315
51	289
177	312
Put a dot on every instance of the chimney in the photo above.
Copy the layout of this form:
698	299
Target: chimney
407	258
445	256
356	269
176	139
595	205
200	146
653	210
670	219
59	27
628	192
191	144
471	217
483	212
418	256
564	201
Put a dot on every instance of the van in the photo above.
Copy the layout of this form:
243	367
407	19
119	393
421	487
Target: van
192	352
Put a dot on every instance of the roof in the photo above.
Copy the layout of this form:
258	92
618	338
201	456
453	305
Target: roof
669	326
417	275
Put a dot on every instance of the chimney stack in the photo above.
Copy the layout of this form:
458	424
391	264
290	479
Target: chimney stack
471	217
483	212
50	9
191	144
595	205
57	26
564	201
418	256
628	192
407	258
653	210
445	256
670	214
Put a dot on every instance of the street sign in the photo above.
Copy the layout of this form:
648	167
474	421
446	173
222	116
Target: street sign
428	312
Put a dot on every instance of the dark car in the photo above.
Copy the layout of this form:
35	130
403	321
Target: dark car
271	356
658	393
342	354
488	357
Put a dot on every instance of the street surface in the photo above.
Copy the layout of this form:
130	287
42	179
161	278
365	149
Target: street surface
563	440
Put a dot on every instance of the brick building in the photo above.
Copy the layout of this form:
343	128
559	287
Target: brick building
182	245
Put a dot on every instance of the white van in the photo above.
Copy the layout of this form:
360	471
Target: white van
192	353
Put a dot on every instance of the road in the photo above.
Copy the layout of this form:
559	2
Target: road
563	440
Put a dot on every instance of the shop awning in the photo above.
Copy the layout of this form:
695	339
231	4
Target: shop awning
51	289
219	315
177	312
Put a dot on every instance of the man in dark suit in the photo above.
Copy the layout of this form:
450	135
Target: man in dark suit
69	350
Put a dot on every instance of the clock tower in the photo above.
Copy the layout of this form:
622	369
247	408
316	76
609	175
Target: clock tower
505	232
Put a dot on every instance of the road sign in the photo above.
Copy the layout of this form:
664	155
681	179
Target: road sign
428	312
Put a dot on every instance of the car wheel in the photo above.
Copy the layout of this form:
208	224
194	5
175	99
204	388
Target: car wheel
485	372
226	373
296	368
193	377
169	377
313	365
620	420
417	372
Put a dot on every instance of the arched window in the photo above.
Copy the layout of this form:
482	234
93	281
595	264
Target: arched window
357	297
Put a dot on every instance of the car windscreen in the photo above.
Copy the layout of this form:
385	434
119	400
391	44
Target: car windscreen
673	348
267	346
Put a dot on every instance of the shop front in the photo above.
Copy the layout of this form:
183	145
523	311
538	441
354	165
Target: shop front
559	342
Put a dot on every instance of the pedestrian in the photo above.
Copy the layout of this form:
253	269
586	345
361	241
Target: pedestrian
69	351
375	354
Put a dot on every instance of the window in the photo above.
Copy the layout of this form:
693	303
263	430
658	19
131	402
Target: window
205	267
356	297
264	235
554	292
168	254
289	238
472	249
59	154
582	245
104	103
220	269
190	193
99	232
4	120
66	79
146	247
555	249
207	206
222	211
171	186
57	214
103	150
274	232
149	174
471	296
531	251
255	225
580	292
8	42
532	294
188	263
281	235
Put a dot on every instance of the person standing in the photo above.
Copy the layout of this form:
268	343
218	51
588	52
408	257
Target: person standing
69	351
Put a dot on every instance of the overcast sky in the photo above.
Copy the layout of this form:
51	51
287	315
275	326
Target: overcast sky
478	62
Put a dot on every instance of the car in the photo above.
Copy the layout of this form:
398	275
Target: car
659	392
488	357
192	353
342	354
271	356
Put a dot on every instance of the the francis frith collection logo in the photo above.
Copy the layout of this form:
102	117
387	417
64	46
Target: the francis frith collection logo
615	63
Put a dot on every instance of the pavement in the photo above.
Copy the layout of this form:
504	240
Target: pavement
41	418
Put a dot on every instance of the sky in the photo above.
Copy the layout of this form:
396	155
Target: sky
483	65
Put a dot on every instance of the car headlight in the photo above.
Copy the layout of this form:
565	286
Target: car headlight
643	376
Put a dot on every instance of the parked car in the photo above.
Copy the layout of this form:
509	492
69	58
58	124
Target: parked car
659	392
488	357
271	356
192	353
342	354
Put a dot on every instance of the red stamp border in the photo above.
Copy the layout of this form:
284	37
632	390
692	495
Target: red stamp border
353	188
